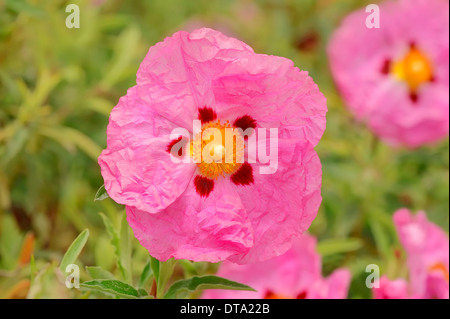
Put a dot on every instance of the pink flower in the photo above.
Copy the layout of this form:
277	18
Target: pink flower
391	289
427	248
396	77
296	274
206	211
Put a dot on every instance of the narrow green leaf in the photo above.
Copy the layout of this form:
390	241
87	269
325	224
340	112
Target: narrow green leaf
112	287
15	145
338	246
74	250
204	282
381	238
165	272
68	137
125	249
33	269
101	194
145	275
188	267
20	6
126	46
154	264
10	240
100	105
98	273
115	241
142	292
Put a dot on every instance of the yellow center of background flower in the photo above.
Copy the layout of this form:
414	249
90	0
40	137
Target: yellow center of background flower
415	69
218	149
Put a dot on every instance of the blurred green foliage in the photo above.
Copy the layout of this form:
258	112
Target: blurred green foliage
58	86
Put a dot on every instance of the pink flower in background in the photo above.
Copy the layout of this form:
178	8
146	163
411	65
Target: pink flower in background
206	211
427	249
392	289
295	275
396	77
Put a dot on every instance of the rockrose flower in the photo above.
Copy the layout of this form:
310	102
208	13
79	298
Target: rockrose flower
427	249
295	275
212	199
396	77
392	289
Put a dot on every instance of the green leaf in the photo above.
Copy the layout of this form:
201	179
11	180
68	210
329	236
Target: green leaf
338	246
145	275
115	241
112	287
204	282
126	48
162	272
15	145
165	272
33	269
20	6
101	193
125	249
69	137
10	240
74	250
380	236
98	273
188	267
154	264
142	293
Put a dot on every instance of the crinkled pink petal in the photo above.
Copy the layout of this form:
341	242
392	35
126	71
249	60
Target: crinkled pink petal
412	124
275	93
205	68
293	274
357	55
136	167
195	228
175	76
281	206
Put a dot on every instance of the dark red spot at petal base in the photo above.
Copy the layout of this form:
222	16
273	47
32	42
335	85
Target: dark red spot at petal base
244	122
270	295
206	114
414	97
204	186
244	175
386	68
177	151
301	295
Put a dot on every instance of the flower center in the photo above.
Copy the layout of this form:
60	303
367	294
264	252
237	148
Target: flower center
415	69
218	149
441	268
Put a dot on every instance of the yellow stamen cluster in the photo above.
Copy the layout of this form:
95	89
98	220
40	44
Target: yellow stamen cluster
415	69
218	149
